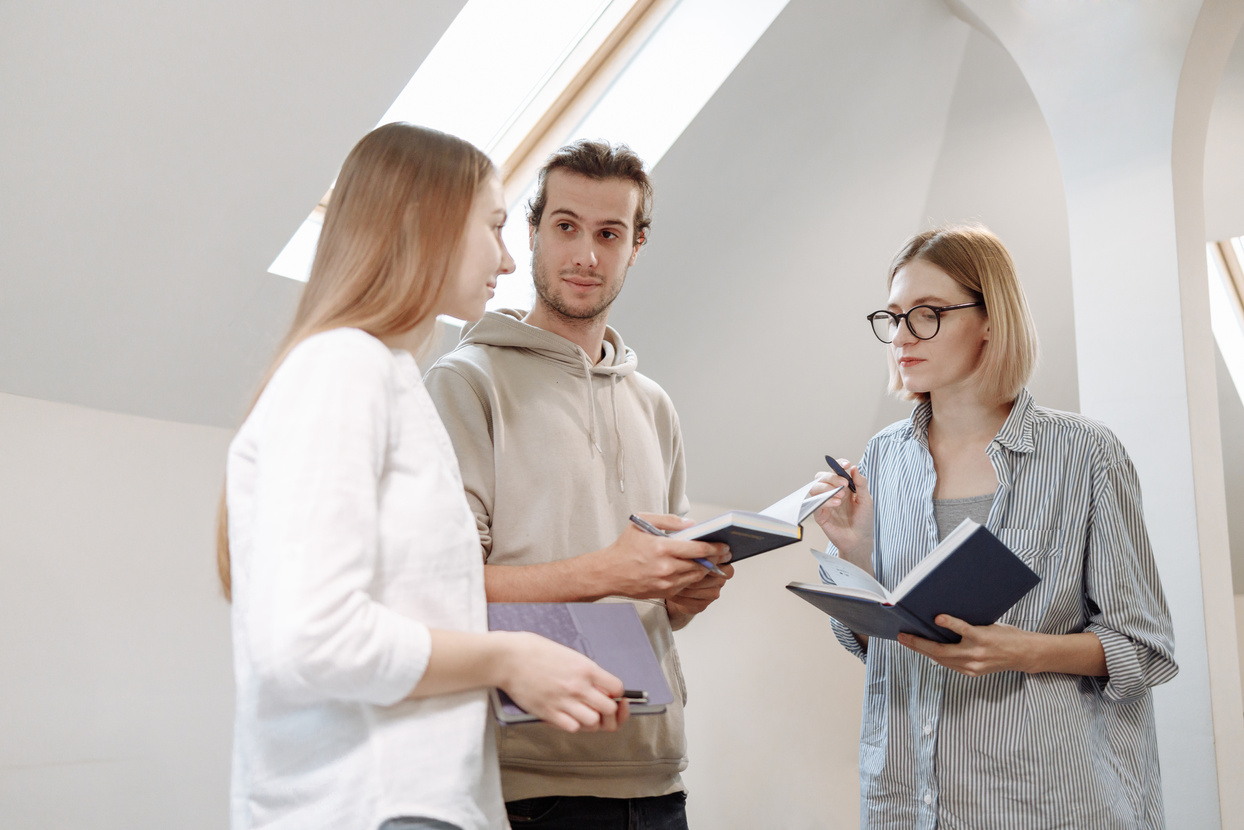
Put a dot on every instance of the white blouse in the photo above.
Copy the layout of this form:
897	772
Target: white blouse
350	538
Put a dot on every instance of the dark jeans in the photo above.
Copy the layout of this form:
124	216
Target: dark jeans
564	812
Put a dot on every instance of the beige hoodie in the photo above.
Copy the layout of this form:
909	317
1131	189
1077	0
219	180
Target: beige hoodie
556	452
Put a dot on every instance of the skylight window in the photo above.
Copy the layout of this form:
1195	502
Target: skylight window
1226	304
652	100
519	78
477	85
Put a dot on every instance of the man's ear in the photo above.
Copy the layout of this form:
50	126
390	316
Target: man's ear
531	237
639	243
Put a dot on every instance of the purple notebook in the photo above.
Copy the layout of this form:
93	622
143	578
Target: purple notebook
608	632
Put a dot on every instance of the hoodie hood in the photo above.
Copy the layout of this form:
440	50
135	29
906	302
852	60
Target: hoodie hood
506	328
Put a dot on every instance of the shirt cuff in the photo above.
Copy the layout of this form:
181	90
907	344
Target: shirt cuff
845	635
1125	676
848	639
412	649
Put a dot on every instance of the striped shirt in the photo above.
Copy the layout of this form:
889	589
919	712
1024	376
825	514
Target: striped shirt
1015	750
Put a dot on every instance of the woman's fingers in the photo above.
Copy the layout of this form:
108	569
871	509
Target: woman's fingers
954	624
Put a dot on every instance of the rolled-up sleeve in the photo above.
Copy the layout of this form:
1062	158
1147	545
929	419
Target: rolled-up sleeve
848	639
1127	610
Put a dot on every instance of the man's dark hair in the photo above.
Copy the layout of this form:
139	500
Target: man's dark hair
597	160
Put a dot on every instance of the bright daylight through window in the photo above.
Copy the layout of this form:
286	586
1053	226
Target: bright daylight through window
1226	304
519	78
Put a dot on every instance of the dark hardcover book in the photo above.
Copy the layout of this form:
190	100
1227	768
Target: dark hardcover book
970	575
747	534
608	632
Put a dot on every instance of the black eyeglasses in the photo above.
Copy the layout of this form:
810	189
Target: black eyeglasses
923	321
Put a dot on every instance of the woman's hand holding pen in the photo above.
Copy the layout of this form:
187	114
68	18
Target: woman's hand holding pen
847	517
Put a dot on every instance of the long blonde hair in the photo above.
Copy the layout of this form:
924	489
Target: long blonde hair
974	257
389	244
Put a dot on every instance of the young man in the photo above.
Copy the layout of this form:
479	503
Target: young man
560	440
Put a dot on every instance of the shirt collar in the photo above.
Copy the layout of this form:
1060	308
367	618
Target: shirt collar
1016	432
918	424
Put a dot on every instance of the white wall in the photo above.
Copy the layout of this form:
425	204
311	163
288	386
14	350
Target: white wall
998	166
1224	218
1224	160
156	157
777	212
115	661
773	703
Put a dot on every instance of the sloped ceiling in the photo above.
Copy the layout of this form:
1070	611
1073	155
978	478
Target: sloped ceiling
154	159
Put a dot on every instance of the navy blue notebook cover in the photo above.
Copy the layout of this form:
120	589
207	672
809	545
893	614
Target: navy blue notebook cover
608	632
971	575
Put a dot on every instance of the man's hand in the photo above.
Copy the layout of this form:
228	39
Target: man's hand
643	566
696	597
637	564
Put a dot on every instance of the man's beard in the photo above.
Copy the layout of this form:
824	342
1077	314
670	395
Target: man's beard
550	298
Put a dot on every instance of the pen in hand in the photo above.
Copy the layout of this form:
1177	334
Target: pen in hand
649	527
837	468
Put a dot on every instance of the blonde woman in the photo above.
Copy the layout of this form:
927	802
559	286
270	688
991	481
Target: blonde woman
361	649
1044	719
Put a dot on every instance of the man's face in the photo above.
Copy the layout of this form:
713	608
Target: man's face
584	244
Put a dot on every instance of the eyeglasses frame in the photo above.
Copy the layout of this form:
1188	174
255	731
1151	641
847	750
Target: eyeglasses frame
905	317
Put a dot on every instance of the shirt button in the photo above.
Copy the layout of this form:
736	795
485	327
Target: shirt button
928	729
928	798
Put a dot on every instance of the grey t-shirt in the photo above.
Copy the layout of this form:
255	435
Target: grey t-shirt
950	512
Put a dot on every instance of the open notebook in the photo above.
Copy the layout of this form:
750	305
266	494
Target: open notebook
970	575
748	534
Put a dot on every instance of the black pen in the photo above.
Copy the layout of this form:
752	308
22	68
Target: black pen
636	696
837	468
649	527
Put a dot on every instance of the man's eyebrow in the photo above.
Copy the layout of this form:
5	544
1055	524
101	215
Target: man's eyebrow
621	223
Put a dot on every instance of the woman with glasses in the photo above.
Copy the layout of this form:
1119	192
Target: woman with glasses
361	646
1044	719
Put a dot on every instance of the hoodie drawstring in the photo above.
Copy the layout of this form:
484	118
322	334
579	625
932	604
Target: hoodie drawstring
593	435
591	403
617	429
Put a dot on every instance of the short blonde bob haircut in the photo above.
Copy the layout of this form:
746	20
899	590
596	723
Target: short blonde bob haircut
390	244
976	259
